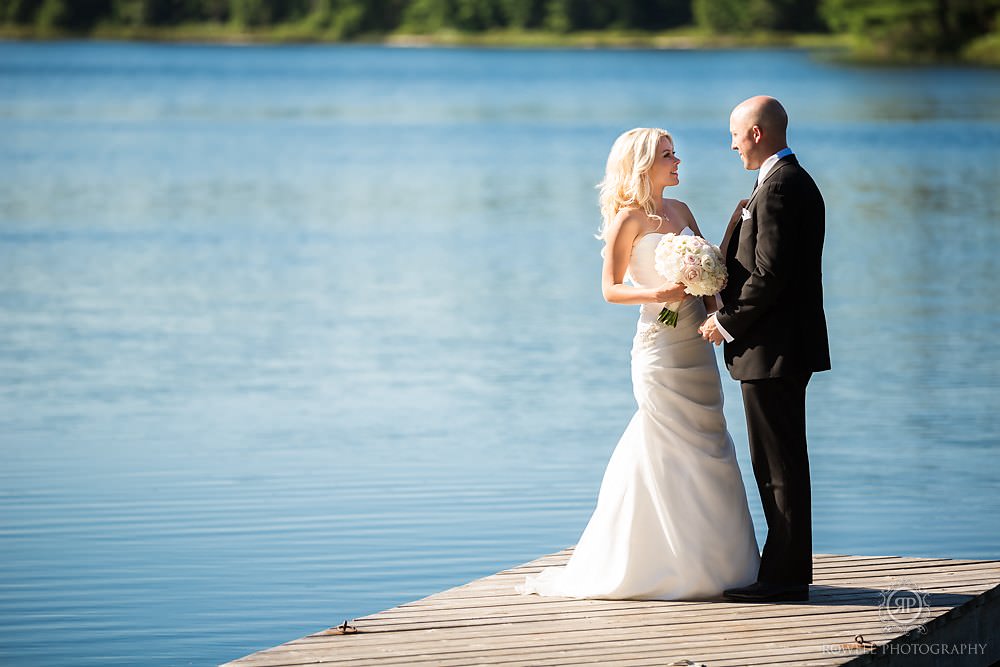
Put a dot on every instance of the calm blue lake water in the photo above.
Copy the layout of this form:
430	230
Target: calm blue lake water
292	335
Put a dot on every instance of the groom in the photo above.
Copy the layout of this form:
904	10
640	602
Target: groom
772	321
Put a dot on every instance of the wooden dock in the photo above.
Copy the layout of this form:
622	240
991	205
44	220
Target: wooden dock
863	610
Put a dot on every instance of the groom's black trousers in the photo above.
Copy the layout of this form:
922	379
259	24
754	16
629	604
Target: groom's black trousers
776	426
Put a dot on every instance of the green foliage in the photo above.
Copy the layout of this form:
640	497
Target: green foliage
522	14
18	11
565	16
336	19
51	15
349	17
721	15
796	15
732	16
69	15
348	21
561	15
425	16
321	14
129	12
904	28
662	14
211	10
897	29
248	13
984	50
476	15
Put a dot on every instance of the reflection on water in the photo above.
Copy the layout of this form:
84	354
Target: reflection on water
291	335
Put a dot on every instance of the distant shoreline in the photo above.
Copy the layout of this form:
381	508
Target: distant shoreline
210	33
841	47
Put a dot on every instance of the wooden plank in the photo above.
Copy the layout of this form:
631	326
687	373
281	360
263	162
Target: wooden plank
504	594
595	641
604	630
680	616
496	609
487	622
977	621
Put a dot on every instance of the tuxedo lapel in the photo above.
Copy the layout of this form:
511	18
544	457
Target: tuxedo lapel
728	236
781	164
735	225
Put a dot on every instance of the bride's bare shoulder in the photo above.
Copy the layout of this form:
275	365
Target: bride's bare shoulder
676	205
677	209
630	220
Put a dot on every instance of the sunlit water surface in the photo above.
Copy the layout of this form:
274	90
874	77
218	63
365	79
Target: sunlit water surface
292	335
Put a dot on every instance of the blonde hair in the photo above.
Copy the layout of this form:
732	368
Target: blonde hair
626	176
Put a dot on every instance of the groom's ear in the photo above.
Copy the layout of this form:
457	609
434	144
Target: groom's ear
758	134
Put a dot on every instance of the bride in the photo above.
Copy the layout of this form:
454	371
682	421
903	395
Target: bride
671	521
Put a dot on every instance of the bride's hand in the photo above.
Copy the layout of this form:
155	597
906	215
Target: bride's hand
670	293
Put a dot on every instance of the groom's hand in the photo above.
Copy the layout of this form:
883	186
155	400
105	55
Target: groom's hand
710	332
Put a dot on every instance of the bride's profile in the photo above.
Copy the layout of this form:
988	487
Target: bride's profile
671	521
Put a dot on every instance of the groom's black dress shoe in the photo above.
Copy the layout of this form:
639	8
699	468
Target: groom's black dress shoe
761	592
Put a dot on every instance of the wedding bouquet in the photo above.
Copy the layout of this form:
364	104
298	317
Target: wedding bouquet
693	262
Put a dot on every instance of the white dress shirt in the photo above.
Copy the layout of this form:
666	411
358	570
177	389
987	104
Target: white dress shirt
769	163
765	169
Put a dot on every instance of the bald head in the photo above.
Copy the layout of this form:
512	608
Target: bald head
759	126
766	113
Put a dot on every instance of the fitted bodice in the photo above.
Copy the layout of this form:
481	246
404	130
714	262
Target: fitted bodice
642	264
642	270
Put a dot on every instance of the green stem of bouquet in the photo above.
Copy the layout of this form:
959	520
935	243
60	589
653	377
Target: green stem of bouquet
668	317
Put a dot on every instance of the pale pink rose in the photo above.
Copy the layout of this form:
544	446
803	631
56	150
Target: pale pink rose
691	273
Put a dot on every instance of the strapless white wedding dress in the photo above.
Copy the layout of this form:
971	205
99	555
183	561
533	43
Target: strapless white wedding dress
671	521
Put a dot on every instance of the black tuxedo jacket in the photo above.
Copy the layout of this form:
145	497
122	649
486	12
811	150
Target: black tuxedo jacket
773	302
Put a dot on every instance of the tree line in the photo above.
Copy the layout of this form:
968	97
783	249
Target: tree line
930	26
